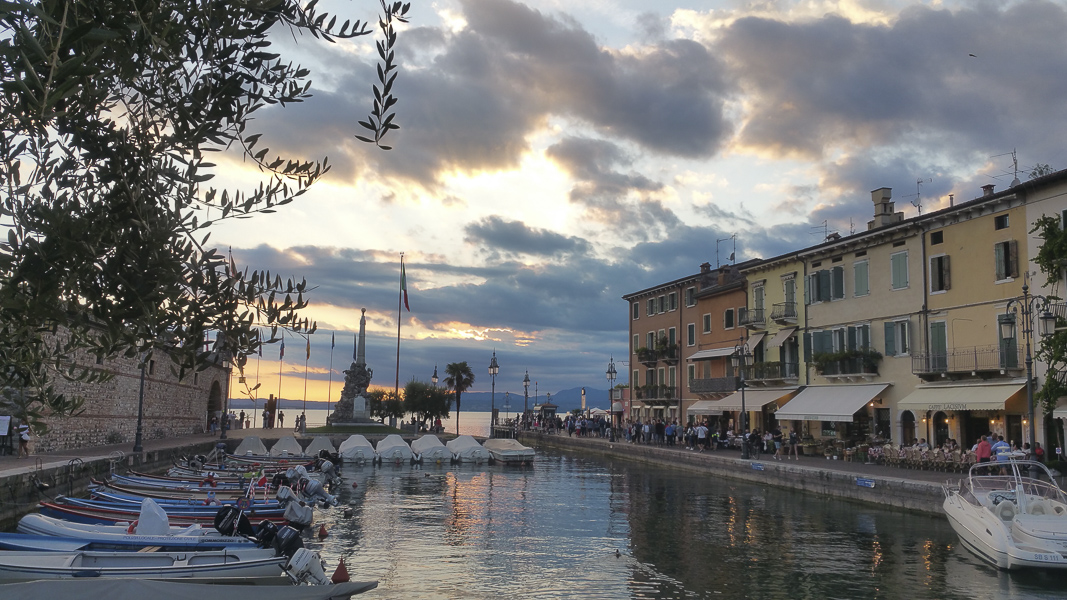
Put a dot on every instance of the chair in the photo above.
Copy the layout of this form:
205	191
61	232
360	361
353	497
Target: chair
937	459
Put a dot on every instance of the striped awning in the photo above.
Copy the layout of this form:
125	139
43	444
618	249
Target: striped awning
984	396
829	402
780	337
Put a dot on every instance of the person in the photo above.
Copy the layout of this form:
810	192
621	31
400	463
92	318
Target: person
776	436
214	424
702	436
241	420
922	445
983	450
755	440
281	419
794	441
266	414
24	440
1039	452
1001	449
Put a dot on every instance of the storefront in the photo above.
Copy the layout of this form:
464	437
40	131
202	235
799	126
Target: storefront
964	411
834	411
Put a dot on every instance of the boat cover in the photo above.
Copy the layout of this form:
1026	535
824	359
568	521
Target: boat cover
392	447
356	448
251	445
507	446
320	442
429	448
287	446
153	519
139	589
467	448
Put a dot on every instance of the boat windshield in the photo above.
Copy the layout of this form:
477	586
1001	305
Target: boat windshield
1006	480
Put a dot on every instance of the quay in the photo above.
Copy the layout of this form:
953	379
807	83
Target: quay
68	472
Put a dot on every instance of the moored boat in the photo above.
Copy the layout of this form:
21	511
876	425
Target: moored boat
1010	514
356	449
393	449
428	449
467	449
509	451
137	589
253	565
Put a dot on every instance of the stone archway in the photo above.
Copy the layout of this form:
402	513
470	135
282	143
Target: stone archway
214	402
907	428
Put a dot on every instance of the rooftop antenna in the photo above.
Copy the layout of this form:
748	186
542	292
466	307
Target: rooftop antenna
732	254
918	196
1014	165
825	230
851	226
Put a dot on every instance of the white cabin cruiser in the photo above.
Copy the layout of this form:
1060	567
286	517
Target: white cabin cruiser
1010	514
393	449
429	450
509	451
467	449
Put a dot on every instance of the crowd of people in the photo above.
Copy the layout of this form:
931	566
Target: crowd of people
702	436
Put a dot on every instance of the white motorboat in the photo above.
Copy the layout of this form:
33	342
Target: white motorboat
318	444
287	446
140	589
430	450
356	449
467	449
253	565
509	451
1010	514
251	445
393	449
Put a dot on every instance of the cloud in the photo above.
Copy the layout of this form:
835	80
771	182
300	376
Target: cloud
512	237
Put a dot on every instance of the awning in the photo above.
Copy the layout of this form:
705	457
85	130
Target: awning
704	407
1060	412
829	402
754	340
984	396
712	353
754	399
780	337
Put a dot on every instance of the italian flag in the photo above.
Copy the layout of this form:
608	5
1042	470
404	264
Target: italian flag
404	285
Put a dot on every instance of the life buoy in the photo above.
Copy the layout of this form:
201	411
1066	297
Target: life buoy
132	529
209	481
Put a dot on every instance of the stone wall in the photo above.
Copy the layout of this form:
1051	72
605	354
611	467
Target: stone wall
172	408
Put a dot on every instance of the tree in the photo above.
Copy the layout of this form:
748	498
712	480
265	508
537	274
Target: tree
458	378
1040	170
1052	350
425	401
111	111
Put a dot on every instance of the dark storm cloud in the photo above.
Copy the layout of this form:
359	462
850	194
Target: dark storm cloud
829	83
515	237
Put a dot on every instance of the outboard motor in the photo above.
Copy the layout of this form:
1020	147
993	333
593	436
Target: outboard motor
266	531
306	566
313	491
299	515
329	473
279	480
231	521
295	473
287	542
286	496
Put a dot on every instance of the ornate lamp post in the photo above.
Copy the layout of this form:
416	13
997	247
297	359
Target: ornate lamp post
434	377
1028	304
612	374
525	395
741	359
493	370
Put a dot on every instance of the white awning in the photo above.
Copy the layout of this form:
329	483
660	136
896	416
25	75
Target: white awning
829	402
1060	412
780	337
712	353
755	399
754	340
704	407
984	396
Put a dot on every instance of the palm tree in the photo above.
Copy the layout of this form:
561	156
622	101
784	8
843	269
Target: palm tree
458	377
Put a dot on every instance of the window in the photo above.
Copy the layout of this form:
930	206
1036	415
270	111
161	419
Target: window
637	343
691	334
650	340
662	304
707	323
634	377
672	301
937	237
672	336
859	337
690	296
1009	349
1006	255
825	285
672	377
838	337
637	310
899	265
790	290
896	337
861	278
939	274
650	377
692	373
151	367
728	319
1000	222
651	306
757	298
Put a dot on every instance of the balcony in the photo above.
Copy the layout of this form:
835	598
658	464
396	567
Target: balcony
656	394
848	364
773	372
980	361
647	356
664	351
751	318
784	313
714	385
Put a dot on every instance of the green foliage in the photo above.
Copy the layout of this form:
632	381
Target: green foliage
867	358
1040	170
427	401
458	378
111	110
1051	256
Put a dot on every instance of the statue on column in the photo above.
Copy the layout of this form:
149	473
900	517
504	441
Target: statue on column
352	407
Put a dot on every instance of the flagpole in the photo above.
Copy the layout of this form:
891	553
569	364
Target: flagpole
399	307
307	359
255	401
281	361
329	388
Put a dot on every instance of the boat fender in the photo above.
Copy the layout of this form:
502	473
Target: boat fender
322	531
340	574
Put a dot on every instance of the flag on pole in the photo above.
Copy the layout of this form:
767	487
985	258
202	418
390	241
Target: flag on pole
281	353
404	284
355	342
309	348
333	340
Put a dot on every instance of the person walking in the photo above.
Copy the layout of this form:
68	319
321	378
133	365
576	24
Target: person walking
24	441
776	437
281	420
794	441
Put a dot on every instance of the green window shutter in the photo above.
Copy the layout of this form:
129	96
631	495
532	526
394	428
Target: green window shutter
807	347
899	267
838	282
865	337
807	290
890	339
946	273
1013	258
853	340
862	283
1000	272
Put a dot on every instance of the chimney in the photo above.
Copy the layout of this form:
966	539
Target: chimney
987	189
884	213
705	268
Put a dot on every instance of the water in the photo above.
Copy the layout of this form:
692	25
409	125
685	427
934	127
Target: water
551	531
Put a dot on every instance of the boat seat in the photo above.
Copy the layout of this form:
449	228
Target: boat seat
1006	510
1038	507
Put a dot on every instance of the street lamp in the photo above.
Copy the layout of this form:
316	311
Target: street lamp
493	370
612	374
742	357
434	377
525	395
1027	305
137	447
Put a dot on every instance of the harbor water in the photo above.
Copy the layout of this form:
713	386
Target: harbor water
590	528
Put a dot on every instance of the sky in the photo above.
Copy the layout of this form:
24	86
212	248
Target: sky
554	156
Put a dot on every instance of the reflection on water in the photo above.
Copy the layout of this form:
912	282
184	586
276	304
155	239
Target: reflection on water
551	531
